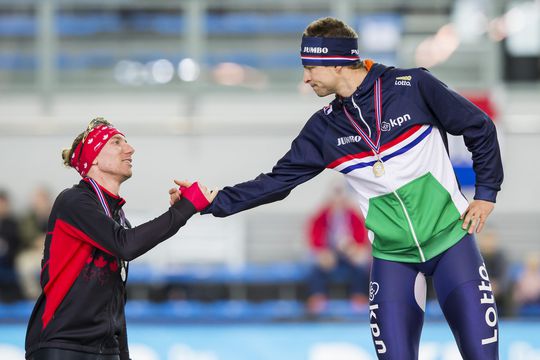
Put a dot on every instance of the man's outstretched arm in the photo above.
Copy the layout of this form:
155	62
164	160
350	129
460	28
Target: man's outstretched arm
302	162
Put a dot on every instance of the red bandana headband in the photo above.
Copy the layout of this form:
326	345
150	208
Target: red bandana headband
86	151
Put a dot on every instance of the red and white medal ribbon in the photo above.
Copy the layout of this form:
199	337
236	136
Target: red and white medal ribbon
378	167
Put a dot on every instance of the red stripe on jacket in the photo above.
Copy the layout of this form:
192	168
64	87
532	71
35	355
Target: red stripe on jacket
70	255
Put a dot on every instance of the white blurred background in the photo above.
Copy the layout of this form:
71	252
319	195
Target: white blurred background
211	90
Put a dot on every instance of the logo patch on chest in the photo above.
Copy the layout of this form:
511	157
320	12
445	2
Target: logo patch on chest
348	139
389	124
403	80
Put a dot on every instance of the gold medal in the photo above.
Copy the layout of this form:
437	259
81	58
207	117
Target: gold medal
378	168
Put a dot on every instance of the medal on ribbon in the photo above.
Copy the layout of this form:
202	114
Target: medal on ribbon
375	146
378	168
122	264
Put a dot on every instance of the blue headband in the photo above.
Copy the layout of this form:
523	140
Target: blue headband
319	51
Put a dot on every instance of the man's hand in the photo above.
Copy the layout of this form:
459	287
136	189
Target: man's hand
357	254
326	259
176	193
476	215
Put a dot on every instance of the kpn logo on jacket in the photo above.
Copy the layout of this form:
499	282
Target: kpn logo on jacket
403	80
391	123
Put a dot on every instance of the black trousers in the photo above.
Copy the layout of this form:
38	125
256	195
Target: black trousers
61	354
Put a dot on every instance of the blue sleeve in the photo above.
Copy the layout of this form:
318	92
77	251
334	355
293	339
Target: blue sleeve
302	162
458	116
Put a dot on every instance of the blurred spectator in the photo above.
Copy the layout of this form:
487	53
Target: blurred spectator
9	242
527	286
33	228
338	240
497	267
34	222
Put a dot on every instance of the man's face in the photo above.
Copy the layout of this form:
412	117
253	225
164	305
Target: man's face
115	158
322	79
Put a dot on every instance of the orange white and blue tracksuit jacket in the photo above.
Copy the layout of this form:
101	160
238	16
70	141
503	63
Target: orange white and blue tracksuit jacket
412	211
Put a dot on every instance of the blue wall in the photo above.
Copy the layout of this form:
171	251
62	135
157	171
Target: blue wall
315	341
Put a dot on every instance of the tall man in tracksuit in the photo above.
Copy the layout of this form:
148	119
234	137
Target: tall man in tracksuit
386	132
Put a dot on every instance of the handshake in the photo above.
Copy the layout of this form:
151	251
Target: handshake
197	194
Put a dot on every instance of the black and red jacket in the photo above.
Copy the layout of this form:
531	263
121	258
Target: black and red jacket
81	306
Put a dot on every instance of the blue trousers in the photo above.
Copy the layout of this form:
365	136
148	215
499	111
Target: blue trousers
356	276
397	303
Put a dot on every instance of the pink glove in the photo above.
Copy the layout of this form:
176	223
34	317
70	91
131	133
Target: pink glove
195	196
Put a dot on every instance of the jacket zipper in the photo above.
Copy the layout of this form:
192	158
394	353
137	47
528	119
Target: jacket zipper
422	257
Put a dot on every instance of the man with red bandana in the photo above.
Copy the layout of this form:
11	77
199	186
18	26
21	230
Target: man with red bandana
80	312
